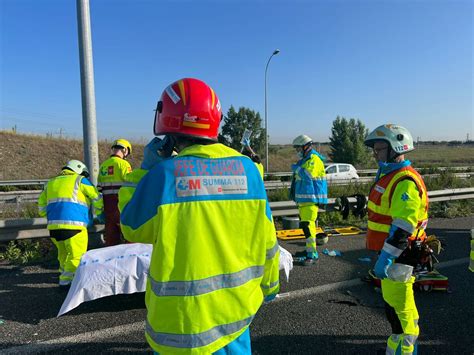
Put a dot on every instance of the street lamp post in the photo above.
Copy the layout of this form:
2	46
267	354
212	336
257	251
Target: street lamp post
275	52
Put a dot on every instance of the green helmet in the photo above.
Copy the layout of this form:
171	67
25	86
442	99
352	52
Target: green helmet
302	140
78	167
398	137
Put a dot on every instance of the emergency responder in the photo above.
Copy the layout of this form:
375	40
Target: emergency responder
112	174
308	190
215	256
69	201
248	151
397	216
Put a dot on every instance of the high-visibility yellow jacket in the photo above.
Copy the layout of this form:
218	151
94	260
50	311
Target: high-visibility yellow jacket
112	174
397	198
309	185
215	254
129	186
66	199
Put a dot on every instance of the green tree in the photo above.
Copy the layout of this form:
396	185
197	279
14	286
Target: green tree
235	123
347	142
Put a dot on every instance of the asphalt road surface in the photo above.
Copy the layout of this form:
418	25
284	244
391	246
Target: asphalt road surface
323	309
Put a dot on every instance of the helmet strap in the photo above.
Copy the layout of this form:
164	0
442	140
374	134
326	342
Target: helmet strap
116	149
391	155
307	148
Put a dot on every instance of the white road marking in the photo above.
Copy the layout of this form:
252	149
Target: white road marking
83	338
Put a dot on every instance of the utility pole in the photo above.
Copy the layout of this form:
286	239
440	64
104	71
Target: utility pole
89	125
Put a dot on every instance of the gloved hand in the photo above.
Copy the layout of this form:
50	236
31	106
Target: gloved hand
100	219
384	261
151	155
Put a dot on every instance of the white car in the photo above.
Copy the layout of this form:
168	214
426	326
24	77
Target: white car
340	171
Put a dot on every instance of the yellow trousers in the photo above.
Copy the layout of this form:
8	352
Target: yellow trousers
400	297
308	216
70	252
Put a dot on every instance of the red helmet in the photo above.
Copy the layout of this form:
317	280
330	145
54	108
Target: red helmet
188	107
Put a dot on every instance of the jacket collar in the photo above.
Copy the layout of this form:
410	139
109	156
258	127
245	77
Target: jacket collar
311	152
215	150
68	172
387	168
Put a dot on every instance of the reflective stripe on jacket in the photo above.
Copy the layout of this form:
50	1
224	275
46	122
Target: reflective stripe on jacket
112	174
66	199
215	254
309	180
385	210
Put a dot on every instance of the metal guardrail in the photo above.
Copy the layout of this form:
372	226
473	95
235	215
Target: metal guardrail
33	182
23	182
19	196
15	229
36	227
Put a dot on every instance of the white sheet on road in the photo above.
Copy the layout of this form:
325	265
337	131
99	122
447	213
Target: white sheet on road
121	269
109	271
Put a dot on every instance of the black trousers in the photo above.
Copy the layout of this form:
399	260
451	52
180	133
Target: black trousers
393	319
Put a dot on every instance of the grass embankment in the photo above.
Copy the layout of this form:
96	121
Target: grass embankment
26	157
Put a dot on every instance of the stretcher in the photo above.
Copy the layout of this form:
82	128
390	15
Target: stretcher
425	281
422	253
432	281
289	234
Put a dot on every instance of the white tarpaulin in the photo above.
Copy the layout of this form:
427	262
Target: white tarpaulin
109	271
121	269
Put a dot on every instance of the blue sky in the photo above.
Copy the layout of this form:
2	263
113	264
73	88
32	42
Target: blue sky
406	62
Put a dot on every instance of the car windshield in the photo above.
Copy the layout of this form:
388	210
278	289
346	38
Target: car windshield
331	170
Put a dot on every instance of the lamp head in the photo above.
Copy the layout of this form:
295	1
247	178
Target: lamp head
276	51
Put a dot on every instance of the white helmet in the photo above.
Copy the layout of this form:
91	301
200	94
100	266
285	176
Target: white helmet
302	140
398	137
78	167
